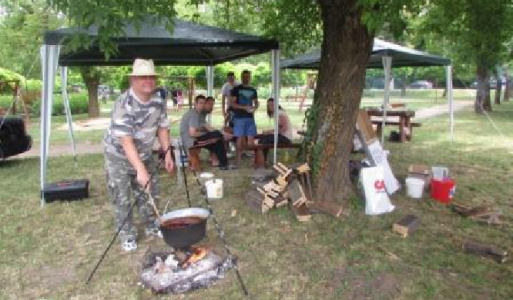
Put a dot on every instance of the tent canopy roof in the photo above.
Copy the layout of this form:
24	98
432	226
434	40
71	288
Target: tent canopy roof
188	44
401	57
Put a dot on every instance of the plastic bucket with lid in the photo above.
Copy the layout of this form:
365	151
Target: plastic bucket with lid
414	187
214	188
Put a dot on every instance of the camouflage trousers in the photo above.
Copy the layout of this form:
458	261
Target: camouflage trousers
122	184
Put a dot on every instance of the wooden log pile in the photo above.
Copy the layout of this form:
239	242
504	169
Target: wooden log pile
482	213
290	187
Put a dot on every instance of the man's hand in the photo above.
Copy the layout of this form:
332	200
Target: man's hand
143	178
169	164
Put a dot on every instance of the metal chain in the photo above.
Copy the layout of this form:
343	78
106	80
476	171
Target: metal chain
137	199
218	228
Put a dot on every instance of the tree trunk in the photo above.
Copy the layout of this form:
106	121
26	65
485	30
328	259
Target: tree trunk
91	79
483	91
345	52
498	87
403	88
507	88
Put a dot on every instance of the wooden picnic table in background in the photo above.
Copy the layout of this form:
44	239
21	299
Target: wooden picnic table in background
405	124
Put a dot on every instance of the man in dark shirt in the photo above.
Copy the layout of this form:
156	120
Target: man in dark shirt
195	130
244	102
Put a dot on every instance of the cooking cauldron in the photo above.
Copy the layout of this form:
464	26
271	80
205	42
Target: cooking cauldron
184	227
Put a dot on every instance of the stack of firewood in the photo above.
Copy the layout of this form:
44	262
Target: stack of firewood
288	186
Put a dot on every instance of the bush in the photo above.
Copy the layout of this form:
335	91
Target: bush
5	101
32	85
79	104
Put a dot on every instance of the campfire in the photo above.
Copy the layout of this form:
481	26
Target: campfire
184	270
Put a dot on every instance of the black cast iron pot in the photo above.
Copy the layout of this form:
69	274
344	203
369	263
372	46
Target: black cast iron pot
184	236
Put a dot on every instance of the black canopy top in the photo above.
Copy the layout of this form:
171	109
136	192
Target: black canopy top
188	44
401	57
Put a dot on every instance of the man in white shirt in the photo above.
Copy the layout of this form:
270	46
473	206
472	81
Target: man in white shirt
226	90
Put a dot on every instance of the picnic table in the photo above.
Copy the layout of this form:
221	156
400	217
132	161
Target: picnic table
405	123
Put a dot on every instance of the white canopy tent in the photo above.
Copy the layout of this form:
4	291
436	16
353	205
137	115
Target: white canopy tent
188	44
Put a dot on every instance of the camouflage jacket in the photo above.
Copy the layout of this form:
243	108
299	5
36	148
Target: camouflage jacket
139	120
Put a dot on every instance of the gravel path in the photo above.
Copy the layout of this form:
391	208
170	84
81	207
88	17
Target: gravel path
89	147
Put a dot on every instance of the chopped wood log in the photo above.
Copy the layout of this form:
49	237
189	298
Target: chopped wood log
268	202
327	207
282	169
301	212
490	251
280	201
406	225
282	181
255	201
482	213
490	220
304	168
296	193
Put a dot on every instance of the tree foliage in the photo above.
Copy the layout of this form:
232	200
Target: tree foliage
23	23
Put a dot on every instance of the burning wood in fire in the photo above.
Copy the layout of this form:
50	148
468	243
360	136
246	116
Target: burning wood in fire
180	271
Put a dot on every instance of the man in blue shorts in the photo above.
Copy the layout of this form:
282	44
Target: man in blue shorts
244	102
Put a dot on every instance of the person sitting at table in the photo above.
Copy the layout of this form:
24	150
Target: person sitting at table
284	128
227	136
194	130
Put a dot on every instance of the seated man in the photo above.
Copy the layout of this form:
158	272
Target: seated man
194	130
227	135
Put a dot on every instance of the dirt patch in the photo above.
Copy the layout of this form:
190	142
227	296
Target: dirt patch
47	279
360	285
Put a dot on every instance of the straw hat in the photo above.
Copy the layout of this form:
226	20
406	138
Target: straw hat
143	67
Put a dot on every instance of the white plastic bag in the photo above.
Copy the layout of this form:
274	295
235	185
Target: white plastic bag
376	198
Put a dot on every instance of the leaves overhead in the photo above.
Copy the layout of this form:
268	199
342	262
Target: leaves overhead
110	16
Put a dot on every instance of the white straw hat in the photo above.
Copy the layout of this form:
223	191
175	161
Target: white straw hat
143	67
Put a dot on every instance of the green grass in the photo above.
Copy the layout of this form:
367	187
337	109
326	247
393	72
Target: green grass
47	253
415	99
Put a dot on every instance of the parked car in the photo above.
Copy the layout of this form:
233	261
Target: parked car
492	81
421	84
13	137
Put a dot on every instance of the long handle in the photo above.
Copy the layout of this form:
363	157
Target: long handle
221	234
182	154
137	199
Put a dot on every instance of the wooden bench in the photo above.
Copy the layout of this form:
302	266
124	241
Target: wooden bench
192	153
259	161
402	127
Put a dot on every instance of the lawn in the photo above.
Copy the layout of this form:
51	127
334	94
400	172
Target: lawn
47	253
414	99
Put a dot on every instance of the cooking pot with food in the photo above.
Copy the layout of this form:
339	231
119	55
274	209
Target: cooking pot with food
184	227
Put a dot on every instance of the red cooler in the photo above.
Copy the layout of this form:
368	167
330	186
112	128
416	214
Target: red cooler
443	190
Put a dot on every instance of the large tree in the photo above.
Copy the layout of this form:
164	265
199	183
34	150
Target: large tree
477	32
347	29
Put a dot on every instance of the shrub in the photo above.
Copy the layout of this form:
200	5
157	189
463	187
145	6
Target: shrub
78	104
5	101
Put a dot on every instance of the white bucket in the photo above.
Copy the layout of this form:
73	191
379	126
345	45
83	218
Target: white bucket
414	187
204	177
214	188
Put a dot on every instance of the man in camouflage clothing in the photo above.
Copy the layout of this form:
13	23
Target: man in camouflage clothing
138	116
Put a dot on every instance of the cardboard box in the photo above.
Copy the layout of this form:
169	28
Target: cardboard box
422	172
